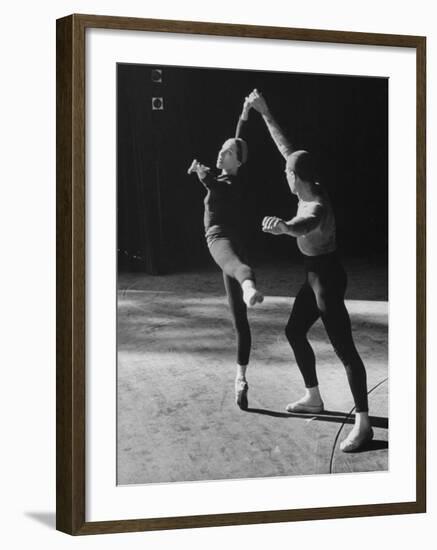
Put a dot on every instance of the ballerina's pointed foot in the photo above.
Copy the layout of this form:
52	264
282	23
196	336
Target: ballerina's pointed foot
252	297
356	440
241	389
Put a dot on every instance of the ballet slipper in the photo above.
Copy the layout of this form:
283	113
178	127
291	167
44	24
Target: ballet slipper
241	389
352	444
301	407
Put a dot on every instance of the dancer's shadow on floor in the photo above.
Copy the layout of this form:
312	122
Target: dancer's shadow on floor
374	445
339	417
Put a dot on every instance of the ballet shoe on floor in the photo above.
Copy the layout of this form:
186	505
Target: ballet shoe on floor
352	444
299	407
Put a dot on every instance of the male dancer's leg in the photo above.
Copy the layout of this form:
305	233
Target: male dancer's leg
329	291
303	316
329	287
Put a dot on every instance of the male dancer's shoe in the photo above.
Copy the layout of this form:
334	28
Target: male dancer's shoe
241	389
352	444
302	407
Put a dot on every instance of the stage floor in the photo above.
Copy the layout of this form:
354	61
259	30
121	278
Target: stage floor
177	420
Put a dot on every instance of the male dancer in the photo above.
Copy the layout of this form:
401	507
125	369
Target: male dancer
322	294
225	228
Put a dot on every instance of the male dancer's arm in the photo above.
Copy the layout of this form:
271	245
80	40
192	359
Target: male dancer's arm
297	226
258	102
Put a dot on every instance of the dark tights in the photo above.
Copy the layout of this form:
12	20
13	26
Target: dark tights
322	295
227	253
239	318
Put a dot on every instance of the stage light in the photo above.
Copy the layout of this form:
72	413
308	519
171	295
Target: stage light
157	104
156	75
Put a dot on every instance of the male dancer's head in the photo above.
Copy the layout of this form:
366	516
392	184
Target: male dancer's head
299	170
232	155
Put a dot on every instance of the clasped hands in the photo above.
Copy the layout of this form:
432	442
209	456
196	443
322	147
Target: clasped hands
256	100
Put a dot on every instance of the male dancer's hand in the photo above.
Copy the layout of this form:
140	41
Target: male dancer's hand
274	225
258	102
